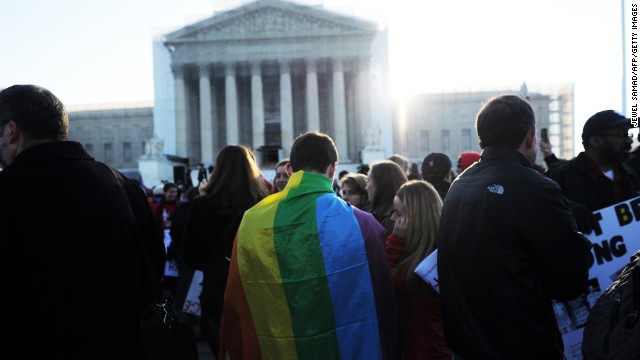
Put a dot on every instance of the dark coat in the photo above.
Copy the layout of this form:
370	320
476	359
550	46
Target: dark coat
633	161
441	186
507	244
178	224
208	239
384	218
552	161
580	183
72	255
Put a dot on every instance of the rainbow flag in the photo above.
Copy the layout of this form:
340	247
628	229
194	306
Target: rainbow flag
308	280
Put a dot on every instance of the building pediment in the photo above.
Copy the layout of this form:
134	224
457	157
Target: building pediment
271	18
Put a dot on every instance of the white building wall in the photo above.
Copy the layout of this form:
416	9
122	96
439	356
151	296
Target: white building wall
455	111
164	110
380	98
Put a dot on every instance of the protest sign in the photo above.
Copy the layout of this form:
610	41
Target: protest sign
170	266
428	270
192	302
615	238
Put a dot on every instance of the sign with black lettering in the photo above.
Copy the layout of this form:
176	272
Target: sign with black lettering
192	302
615	238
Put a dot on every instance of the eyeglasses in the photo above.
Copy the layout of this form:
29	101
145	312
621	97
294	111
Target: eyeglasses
619	135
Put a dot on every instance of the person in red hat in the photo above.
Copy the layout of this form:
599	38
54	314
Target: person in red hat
466	159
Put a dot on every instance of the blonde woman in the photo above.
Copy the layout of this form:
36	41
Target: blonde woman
416	207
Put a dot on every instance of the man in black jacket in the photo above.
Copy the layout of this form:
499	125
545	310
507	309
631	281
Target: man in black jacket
74	234
599	177
507	245
436	169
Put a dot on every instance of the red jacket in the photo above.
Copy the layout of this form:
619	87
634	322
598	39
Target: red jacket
419	312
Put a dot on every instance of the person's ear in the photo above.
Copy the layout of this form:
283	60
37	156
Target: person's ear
287	168
480	144
530	139
331	170
11	129
595	141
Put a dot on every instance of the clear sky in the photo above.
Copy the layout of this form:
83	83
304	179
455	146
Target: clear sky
100	51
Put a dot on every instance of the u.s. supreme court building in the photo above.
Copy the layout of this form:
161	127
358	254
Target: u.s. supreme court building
262	73
265	72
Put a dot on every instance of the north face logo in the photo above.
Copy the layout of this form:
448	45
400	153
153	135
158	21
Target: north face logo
496	189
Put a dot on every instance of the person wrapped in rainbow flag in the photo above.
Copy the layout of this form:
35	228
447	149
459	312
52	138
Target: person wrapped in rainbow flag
308	277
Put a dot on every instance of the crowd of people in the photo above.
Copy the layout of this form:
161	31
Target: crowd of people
309	263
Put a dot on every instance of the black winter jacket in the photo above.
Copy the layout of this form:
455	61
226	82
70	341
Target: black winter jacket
507	245
581	184
209	235
72	263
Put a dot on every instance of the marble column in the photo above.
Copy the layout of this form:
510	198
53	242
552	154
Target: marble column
257	106
313	107
363	103
231	101
286	107
206	116
339	111
181	111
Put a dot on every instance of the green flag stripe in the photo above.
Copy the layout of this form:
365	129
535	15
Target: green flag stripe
303	276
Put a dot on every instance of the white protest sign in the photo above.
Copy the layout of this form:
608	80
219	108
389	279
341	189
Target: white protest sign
192	302
428	270
615	238
171	269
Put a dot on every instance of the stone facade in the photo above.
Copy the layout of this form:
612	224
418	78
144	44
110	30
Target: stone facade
113	135
445	122
263	73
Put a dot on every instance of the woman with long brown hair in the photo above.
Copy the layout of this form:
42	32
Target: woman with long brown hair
416	212
383	181
234	186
